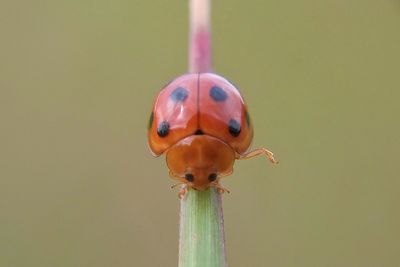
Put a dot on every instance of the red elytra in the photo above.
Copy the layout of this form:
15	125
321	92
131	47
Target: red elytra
201	122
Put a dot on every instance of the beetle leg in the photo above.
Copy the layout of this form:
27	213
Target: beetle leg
182	182
259	151
183	191
220	188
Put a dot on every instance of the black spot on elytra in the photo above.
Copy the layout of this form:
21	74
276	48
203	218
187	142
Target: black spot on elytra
218	94
150	120
179	94
163	129
212	177
234	127
189	177
247	115
199	132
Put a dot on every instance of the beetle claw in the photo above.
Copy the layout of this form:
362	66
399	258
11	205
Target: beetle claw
182	192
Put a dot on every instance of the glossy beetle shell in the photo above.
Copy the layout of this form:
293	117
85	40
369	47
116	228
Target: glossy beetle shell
200	103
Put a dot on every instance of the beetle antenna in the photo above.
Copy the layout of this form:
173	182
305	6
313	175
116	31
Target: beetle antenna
175	185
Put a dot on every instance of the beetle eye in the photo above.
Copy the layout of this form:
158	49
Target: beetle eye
189	177
212	177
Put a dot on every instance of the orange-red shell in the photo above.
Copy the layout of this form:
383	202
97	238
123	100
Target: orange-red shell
200	103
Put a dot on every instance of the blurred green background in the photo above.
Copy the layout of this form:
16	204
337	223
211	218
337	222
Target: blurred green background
78	186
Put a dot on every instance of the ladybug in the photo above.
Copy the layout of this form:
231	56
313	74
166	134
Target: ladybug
200	121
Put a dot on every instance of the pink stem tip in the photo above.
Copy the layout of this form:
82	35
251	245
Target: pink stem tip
200	37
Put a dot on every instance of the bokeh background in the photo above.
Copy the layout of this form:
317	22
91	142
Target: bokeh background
78	186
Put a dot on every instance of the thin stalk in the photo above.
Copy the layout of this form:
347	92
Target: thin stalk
201	228
199	36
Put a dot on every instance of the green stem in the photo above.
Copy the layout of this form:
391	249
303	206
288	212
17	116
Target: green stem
201	232
201	235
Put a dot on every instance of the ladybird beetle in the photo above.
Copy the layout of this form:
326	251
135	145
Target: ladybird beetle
200	121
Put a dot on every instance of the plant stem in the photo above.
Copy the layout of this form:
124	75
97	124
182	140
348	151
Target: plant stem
199	36
201	235
201	227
